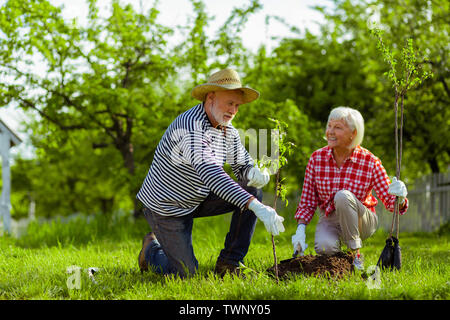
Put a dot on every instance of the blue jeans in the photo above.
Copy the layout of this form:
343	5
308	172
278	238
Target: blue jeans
173	253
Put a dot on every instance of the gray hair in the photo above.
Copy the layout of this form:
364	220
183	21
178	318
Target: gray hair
354	120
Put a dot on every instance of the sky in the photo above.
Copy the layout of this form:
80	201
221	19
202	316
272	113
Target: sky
177	12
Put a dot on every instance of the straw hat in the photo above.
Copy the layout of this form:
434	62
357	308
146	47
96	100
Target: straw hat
226	79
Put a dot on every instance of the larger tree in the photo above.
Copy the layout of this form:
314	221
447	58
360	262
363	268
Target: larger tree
103	93
105	83
342	66
427	113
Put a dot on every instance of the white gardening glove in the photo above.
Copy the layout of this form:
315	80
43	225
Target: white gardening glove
258	178
272	221
398	188
299	240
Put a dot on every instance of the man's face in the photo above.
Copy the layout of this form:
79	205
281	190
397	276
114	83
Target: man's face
225	105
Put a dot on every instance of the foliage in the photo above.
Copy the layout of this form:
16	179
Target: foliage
274	166
101	98
268	76
101	95
403	79
98	88
70	185
283	147
426	23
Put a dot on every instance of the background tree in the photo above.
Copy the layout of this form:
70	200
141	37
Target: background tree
102	95
426	130
342	66
99	84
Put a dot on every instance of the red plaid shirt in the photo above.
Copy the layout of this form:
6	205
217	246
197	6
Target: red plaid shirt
359	174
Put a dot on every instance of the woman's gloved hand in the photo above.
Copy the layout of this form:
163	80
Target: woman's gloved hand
398	188
299	240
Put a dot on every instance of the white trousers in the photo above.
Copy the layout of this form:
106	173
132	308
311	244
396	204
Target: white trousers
351	223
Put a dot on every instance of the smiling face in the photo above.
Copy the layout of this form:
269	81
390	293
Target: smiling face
339	135
222	106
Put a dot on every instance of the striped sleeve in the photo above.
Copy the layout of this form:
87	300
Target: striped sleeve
198	153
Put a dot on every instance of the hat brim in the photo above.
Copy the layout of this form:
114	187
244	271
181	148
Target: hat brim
200	91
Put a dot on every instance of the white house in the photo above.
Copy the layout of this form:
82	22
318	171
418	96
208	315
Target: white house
8	139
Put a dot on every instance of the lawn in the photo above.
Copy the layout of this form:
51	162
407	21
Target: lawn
36	265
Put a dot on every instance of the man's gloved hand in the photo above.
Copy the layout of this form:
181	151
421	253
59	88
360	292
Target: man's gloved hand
299	240
398	188
272	221
258	178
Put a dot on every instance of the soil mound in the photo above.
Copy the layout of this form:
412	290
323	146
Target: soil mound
333	266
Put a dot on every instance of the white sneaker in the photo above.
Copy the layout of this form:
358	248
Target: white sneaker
358	263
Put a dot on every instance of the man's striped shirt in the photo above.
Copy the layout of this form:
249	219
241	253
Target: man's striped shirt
188	165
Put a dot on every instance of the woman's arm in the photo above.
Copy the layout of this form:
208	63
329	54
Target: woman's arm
309	199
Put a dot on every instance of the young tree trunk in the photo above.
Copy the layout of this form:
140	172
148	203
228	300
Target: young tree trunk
434	165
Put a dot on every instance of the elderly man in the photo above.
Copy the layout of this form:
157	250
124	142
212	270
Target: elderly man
186	180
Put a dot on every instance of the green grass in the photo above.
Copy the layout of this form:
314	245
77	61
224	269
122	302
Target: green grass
35	265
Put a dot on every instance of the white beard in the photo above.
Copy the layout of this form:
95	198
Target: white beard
219	117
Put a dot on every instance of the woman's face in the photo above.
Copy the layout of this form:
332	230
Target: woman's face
339	134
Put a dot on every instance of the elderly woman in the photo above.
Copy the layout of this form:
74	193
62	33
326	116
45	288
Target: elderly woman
339	179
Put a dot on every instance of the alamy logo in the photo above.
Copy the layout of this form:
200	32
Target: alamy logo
258	141
73	282
374	279
374	15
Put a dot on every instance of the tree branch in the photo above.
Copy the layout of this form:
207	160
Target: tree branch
442	80
33	106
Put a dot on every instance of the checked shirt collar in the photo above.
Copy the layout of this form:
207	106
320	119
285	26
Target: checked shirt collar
352	157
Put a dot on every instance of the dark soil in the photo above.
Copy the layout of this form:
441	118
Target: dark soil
334	266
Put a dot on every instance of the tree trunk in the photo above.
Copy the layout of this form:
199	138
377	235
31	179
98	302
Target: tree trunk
127	152
137	207
434	165
107	205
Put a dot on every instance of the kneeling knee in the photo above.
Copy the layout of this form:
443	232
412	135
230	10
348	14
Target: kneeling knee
342	197
327	247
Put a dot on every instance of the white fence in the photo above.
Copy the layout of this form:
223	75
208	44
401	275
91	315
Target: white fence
429	205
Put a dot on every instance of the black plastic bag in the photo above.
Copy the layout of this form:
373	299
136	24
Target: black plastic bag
391	256
397	255
386	257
